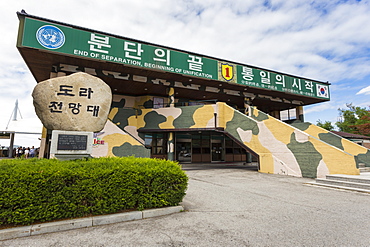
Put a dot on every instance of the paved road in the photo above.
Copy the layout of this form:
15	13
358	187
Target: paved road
236	206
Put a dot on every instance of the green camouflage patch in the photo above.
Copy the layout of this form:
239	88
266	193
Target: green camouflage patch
127	149
260	116
301	126
307	156
331	139
243	122
122	116
153	119
186	120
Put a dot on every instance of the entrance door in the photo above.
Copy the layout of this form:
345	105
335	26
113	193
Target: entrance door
183	151
217	151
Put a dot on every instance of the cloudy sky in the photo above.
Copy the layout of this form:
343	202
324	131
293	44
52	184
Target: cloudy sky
325	40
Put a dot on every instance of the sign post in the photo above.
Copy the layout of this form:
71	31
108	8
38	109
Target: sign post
71	144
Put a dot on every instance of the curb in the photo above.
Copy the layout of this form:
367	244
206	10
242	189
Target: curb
25	231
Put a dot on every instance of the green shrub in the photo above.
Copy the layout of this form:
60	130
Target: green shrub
39	190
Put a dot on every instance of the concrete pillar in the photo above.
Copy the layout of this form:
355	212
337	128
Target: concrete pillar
247	106
43	143
53	74
275	114
171	146
171	97
249	157
299	113
10	154
59	74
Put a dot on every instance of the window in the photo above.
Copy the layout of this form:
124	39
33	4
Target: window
158	103
159	143
148	140
290	114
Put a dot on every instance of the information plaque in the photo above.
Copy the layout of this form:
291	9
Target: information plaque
72	142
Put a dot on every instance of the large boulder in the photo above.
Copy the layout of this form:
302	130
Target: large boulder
78	102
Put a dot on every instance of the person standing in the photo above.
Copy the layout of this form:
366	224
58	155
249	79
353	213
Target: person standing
19	152
26	153
32	152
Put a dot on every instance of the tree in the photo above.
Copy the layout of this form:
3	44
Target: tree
354	120
326	125
364	128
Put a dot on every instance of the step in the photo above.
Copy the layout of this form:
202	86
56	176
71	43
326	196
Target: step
364	169
363	178
340	187
350	184
365	186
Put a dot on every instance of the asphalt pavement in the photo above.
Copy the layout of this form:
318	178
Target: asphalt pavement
233	205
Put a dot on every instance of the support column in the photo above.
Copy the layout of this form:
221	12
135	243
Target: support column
171	146
171	96
247	106
249	157
43	143
299	113
275	114
10	152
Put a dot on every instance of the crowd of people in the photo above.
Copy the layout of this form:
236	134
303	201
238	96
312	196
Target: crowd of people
23	152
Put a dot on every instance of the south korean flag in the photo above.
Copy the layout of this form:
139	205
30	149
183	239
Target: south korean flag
322	91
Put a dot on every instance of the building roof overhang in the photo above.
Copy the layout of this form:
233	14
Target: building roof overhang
133	80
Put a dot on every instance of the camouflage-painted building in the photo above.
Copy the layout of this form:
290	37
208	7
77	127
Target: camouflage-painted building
178	105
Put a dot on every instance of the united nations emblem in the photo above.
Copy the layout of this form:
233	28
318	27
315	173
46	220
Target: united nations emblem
227	72
50	37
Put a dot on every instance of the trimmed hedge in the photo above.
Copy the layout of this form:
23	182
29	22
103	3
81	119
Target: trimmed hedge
39	190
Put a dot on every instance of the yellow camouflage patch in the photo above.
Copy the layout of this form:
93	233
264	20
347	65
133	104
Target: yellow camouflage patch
112	113
116	140
225	114
168	124
139	120
315	130
202	116
281	131
265	156
337	161
353	148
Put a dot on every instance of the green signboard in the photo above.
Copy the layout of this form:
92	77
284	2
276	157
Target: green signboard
72	41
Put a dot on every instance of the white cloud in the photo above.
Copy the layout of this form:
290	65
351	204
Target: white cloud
365	91
319	108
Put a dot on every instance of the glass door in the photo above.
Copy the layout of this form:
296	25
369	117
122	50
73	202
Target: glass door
183	151
217	147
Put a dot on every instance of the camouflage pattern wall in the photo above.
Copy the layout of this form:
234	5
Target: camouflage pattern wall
281	148
362	154
284	149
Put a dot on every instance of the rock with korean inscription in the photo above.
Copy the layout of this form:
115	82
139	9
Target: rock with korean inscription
78	102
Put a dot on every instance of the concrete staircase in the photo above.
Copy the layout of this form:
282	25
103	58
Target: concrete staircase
359	183
363	168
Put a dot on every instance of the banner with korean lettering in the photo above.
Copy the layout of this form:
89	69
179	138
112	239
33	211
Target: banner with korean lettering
68	40
72	41
278	82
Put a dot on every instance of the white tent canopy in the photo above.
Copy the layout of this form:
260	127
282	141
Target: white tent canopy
25	126
26	132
